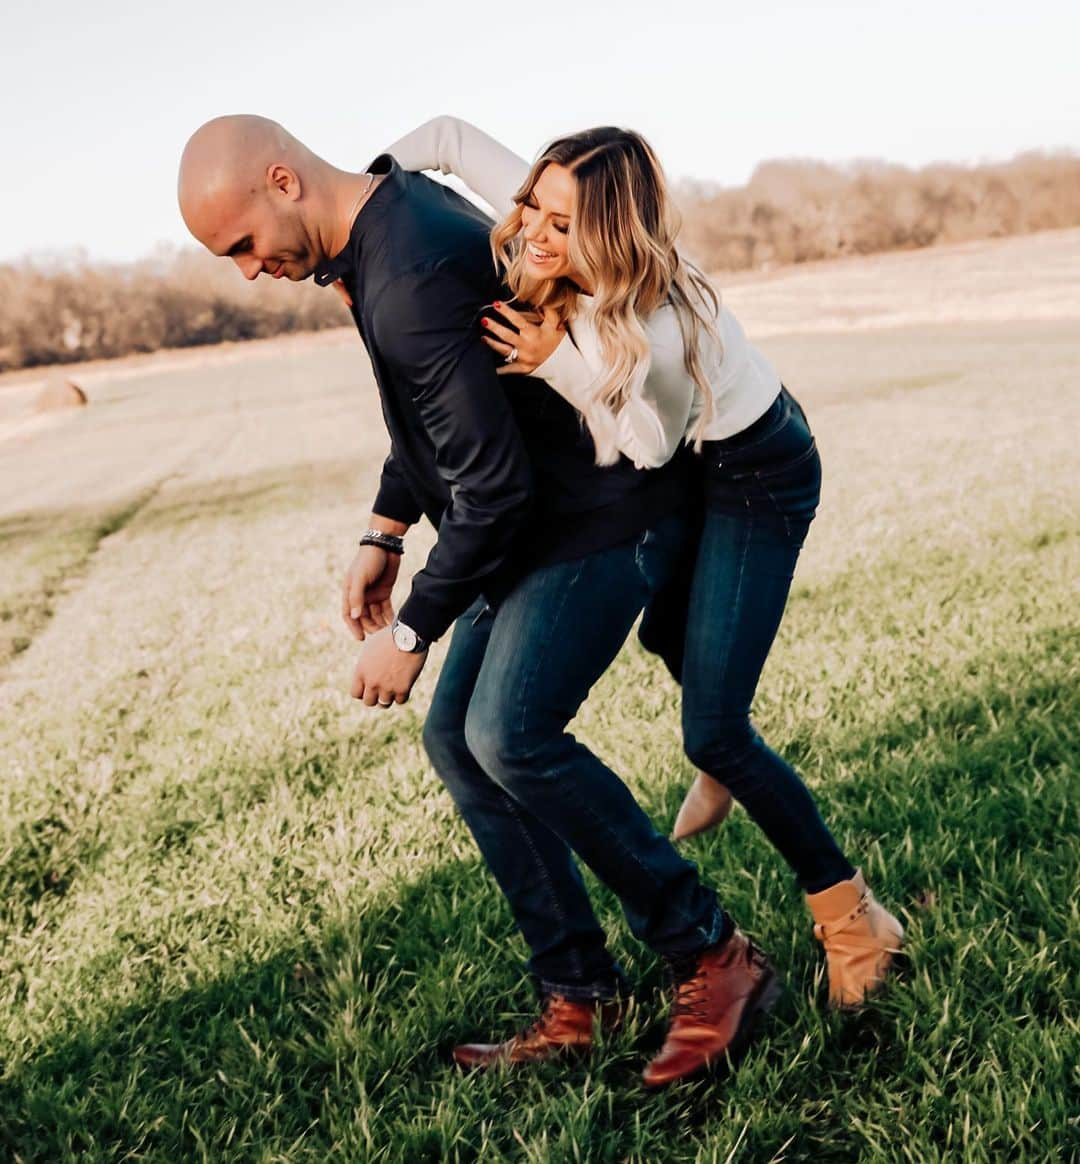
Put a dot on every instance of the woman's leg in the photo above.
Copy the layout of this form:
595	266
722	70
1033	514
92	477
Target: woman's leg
761	499
737	603
763	491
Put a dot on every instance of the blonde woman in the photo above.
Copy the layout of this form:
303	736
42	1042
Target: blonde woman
621	326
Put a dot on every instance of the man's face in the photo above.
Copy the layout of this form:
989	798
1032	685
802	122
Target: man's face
260	231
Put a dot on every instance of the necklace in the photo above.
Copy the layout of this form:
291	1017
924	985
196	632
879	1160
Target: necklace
354	210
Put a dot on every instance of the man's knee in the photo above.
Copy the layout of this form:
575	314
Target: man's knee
483	736
444	740
507	752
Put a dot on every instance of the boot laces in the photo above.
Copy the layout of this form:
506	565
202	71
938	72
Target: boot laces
538	1025
689	986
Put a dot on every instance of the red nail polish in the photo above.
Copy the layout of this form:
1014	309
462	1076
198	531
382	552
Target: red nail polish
497	303
484	323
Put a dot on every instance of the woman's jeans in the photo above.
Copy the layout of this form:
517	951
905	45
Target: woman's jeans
533	796
761	489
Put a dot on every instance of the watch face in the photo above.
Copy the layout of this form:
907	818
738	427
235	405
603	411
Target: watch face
404	637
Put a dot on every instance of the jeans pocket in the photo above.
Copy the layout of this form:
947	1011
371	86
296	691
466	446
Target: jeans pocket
793	490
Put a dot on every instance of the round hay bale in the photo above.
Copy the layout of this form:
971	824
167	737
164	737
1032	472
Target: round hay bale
59	394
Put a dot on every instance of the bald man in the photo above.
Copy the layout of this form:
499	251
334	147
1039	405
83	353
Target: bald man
543	559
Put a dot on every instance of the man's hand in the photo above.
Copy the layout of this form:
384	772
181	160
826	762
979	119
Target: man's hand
365	599
537	337
384	675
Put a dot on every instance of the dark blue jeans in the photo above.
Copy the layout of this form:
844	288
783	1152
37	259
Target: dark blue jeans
761	491
533	796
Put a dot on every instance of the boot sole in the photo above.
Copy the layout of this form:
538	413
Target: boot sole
571	1052
767	996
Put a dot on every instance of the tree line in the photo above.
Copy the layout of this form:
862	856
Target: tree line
67	310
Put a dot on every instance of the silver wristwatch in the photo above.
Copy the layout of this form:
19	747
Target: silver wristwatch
406	639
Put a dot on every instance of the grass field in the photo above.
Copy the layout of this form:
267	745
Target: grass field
240	919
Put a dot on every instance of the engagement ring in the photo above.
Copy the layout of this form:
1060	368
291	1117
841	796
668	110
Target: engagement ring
512	356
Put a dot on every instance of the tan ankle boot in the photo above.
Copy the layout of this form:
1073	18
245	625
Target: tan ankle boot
860	939
706	805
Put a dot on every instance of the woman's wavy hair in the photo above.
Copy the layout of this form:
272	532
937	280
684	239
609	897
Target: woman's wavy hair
622	241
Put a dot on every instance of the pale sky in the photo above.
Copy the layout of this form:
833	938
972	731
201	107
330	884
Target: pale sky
97	99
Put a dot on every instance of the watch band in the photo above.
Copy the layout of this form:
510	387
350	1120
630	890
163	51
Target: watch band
389	542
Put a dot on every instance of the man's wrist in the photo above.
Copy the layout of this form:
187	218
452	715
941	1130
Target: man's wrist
388	525
391	543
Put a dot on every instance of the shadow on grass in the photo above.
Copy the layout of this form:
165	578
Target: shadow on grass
338	1044
269	1025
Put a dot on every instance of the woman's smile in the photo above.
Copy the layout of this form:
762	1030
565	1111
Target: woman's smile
539	256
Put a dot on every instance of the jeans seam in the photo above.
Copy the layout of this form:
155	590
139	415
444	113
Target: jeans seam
526	686
552	895
605	828
525	689
789	466
776	505
744	550
639	559
762	478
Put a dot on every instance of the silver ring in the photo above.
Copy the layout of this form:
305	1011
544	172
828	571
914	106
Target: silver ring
512	356
390	704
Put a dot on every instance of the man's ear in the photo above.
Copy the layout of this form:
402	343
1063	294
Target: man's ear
280	180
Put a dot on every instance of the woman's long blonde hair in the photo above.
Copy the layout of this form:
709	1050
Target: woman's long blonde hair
622	241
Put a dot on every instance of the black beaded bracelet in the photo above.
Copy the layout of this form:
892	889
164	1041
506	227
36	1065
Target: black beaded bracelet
389	542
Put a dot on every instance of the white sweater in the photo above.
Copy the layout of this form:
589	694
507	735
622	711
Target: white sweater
663	404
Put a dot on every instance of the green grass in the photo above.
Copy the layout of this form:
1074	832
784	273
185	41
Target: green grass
240	919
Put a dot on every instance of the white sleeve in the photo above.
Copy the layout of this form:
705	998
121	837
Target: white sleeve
654	419
453	146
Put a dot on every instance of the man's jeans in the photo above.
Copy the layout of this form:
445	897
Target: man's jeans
532	795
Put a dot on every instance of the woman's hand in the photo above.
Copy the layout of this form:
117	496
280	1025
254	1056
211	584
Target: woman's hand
537	337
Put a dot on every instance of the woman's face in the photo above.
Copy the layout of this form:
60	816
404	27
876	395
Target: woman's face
546	217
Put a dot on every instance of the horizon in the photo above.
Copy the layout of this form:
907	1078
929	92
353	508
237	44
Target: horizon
78	254
715	93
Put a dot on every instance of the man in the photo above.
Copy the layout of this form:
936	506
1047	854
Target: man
543	559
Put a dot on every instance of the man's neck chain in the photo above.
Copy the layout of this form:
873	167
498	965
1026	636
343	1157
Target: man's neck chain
354	210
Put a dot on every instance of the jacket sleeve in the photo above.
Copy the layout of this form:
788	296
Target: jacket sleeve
425	326
453	146
395	498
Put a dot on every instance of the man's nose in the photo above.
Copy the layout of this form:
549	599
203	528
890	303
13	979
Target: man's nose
249	265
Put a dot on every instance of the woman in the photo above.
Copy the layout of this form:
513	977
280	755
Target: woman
636	339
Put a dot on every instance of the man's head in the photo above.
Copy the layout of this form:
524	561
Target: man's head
250	191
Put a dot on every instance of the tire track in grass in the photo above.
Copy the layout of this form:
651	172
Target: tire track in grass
39	858
25	614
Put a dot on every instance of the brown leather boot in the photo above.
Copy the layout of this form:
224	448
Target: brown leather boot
705	806
565	1026
718	996
860	937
